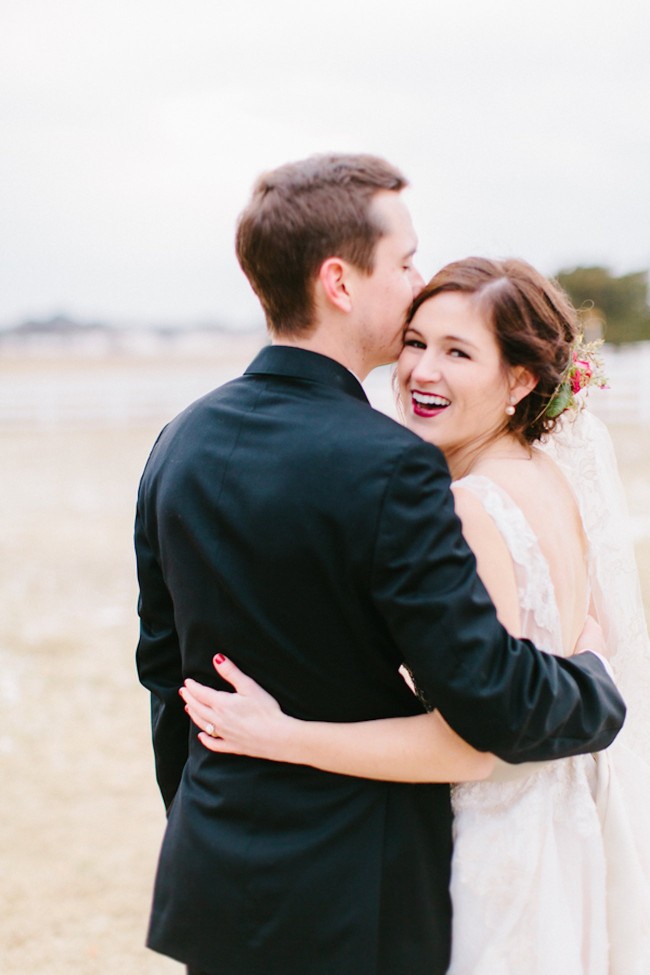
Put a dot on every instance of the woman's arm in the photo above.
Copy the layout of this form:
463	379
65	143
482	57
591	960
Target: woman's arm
421	748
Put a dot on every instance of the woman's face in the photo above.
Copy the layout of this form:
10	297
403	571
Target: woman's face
453	385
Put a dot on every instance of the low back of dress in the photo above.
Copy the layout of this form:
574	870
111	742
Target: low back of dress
551	868
528	858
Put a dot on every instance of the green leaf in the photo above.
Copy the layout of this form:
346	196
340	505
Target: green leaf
559	401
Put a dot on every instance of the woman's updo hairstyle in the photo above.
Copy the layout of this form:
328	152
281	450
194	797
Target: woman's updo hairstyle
533	320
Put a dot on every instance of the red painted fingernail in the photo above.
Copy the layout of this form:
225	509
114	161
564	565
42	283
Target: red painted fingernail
219	658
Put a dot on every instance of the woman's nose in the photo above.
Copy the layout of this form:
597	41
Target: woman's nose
426	370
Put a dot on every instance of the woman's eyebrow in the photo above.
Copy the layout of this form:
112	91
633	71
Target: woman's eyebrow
462	341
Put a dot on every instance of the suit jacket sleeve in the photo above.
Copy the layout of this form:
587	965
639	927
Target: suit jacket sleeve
158	660
499	693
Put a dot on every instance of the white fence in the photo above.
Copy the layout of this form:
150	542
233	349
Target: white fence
104	396
82	392
628	372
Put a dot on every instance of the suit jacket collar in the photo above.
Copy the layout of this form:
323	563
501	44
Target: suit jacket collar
285	360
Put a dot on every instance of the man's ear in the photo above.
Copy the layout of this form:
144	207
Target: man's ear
522	382
333	282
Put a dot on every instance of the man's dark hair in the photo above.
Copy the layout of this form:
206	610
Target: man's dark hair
299	215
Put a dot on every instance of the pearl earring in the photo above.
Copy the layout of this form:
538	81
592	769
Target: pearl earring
510	410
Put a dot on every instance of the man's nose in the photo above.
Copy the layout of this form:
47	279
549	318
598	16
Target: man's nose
417	282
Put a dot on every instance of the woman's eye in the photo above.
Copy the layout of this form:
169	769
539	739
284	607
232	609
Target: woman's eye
414	343
458	354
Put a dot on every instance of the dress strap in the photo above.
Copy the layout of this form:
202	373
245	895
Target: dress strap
540	616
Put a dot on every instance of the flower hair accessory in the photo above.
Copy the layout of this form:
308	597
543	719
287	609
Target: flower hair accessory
585	370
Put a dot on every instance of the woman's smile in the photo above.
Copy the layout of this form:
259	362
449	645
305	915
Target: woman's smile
428	404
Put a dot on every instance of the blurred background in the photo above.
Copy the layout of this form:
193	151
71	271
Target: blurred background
132	133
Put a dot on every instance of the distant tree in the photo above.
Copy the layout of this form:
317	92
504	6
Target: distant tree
619	305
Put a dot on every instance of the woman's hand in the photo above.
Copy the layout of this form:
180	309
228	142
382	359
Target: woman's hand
249	722
422	748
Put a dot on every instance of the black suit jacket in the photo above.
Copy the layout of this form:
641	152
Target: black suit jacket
313	540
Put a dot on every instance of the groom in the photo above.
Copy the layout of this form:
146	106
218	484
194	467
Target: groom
313	540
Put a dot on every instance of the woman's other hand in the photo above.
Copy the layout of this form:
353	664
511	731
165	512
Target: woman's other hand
592	638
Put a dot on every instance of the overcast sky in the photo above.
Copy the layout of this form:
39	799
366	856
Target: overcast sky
133	129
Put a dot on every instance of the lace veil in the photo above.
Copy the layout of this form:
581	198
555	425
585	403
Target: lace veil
581	446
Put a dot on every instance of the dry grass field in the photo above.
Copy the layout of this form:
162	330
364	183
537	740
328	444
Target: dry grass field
81	818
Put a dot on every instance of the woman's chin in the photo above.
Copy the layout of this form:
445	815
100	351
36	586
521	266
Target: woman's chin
427	428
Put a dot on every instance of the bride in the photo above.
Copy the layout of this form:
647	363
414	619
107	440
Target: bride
551	863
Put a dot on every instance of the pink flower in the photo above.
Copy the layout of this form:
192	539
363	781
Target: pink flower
580	375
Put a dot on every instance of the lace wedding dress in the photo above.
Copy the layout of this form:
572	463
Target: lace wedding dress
551	867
